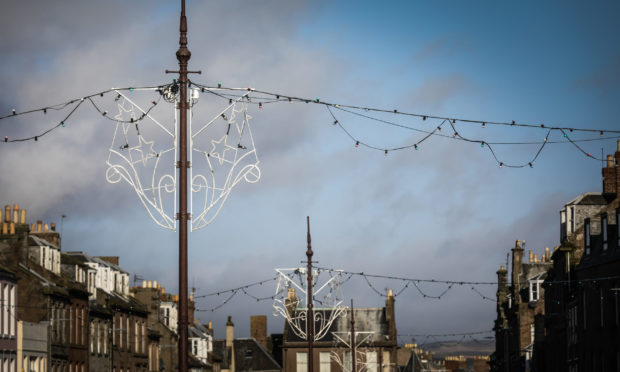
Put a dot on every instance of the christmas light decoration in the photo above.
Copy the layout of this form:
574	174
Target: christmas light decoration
290	301
148	165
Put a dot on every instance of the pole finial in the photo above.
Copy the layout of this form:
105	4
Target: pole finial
309	251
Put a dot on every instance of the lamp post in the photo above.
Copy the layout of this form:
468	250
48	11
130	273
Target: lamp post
310	318
183	55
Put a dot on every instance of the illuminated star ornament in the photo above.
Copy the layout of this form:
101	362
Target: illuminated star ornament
143	154
229	158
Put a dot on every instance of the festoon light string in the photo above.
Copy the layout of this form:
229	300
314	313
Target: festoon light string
261	98
406	283
74	104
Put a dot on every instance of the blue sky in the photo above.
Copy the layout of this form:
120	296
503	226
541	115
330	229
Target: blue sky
446	211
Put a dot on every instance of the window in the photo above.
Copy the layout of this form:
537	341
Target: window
92	337
371	361
535	289
586	232
604	230
324	361
585	303
12	312
105	338
5	308
71	325
302	362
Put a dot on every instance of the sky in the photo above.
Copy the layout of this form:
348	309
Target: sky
446	211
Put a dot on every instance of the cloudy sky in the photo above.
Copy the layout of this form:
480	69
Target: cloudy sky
444	212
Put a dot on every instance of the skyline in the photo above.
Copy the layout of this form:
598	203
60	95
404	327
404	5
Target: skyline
445	212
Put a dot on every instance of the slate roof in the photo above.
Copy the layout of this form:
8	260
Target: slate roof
250	355
593	198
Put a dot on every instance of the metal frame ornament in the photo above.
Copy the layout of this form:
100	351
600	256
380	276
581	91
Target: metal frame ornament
295	309
144	154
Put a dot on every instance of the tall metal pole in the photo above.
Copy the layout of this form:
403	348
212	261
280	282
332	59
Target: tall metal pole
353	369
310	318
183	56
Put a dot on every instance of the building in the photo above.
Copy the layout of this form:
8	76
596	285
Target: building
32	346
163	320
581	291
376	341
47	298
118	336
518	306
245	354
8	320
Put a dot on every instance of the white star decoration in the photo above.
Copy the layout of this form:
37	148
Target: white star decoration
149	153
220	153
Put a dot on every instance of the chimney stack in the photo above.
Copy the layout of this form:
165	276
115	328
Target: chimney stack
230	331
517	265
258	329
15	213
611	173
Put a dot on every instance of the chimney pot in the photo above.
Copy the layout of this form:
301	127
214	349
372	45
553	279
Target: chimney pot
144	284
610	161
46	227
531	256
39	224
5	228
12	228
23	220
7	213
15	213
53	226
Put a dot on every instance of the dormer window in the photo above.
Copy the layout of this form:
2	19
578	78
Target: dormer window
604	231
535	289
586	235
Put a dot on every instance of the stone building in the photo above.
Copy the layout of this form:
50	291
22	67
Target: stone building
163	319
47	297
246	354
519	304
376	336
581	291
8	320
32	346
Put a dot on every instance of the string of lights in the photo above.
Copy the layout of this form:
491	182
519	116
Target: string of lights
277	97
243	287
261	97
264	97
75	104
407	282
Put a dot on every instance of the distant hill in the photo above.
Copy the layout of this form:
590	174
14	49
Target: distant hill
466	348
